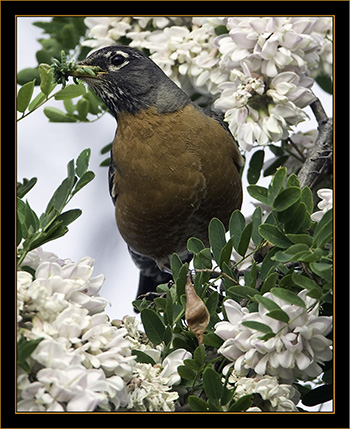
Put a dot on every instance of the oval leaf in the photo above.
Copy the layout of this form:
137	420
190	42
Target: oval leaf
286	198
274	236
194	245
279	315
261	327
70	91
288	296
255	166
212	384
24	96
154	326
56	115
217	238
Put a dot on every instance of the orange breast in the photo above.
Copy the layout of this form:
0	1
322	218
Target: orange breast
175	172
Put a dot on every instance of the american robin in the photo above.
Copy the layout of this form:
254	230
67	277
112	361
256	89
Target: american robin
174	166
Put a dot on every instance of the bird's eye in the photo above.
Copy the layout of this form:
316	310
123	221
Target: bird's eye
118	60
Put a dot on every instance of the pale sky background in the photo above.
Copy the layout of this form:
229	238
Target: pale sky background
43	151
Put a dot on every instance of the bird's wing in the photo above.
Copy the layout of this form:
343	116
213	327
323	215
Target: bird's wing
112	180
219	117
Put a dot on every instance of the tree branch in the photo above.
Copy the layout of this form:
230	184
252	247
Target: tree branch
320	159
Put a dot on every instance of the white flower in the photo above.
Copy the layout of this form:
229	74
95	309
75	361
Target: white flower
82	360
149	391
276	396
295	350
324	205
171	363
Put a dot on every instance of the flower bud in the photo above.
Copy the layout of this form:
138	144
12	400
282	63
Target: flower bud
196	314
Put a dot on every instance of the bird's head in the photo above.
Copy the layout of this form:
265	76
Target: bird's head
130	81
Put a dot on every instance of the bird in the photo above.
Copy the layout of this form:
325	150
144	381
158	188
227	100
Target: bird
174	165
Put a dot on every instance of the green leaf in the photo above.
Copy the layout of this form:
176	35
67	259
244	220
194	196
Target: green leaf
242	291
168	314
194	245
69	216
142	357
24	96
25	348
25	187
292	253
216	238
279	315
325	82
186	373
293	181
56	230
197	404
19	235
256	220
269	282
288	296
307	199
212	302
36	101
261	327
94	106
236	226
28	74
203	259
220	29
322	270
70	91
269	264
242	404
212	340
276	185
106	162
82	162
153	325
46	79
60	196
199	355
324	229
83	181
306	282
212	384
299	220
274	236
106	149
245	239
259	193
176	265
276	163
300	239
286	198
56	115
192	364
267	302
255	166
181	280
83	108
225	254
318	396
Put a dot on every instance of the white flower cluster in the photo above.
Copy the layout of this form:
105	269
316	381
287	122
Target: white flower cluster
150	387
258	69
83	362
274	396
293	353
324	205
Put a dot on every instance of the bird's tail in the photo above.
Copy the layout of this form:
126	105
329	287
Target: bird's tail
150	274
